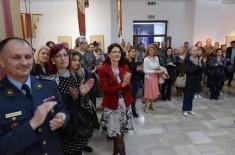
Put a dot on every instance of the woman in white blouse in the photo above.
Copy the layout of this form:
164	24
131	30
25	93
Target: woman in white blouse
151	89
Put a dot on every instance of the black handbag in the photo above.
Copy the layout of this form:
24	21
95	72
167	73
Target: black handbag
84	124
229	68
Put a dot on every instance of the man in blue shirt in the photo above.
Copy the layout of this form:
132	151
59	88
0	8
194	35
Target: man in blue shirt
31	110
230	55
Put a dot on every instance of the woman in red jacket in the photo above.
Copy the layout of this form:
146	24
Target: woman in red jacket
115	83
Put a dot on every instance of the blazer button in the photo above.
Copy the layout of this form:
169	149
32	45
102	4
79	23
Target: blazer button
13	118
44	142
39	129
45	153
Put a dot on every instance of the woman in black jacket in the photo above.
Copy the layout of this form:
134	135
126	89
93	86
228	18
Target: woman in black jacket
169	64
194	69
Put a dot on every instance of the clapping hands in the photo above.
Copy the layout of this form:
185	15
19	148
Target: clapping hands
86	87
126	79
83	89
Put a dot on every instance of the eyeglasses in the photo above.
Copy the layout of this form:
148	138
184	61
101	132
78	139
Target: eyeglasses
116	52
65	55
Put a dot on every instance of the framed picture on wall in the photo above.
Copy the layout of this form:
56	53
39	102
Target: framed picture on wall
229	39
99	39
65	39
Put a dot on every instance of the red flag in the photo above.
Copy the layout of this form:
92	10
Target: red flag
119	17
23	25
81	4
7	18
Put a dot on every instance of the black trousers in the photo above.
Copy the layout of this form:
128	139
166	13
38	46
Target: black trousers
166	89
230	77
216	85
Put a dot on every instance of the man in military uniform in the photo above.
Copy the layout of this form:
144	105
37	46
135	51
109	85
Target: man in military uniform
31	110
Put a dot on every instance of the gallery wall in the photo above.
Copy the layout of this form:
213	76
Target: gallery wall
190	20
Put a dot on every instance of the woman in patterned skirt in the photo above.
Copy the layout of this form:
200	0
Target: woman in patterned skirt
115	83
71	90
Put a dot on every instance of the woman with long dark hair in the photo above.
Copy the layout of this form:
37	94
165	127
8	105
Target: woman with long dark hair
115	83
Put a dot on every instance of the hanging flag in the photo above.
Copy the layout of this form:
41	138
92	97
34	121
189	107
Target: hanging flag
25	25
29	24
81	5
119	17
7	18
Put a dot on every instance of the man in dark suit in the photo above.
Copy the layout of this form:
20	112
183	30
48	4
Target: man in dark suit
89	63
230	55
31	110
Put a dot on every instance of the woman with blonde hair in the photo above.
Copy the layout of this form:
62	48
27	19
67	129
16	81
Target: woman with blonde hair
151	89
41	58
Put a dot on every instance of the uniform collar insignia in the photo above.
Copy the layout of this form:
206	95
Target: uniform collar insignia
38	85
9	92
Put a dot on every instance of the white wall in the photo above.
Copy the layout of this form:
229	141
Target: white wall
98	21
188	20
214	19
179	15
206	20
60	19
226	22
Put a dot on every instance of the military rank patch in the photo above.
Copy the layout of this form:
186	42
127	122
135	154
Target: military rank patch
13	114
38	85
9	92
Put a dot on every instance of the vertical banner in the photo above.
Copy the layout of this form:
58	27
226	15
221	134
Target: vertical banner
25	23
29	24
119	17
7	18
81	5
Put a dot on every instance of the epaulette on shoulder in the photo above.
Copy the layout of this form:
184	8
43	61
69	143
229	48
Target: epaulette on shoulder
49	78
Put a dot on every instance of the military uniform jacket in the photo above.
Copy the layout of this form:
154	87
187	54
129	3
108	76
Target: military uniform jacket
16	135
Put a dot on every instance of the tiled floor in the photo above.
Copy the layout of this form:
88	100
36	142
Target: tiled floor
168	132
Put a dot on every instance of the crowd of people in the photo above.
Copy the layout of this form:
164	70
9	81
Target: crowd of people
50	94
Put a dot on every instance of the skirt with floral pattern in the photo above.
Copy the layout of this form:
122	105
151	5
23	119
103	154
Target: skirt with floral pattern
117	122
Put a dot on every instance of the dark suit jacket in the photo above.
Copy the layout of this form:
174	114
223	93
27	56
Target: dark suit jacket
193	76
37	70
111	88
88	60
16	135
228	52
